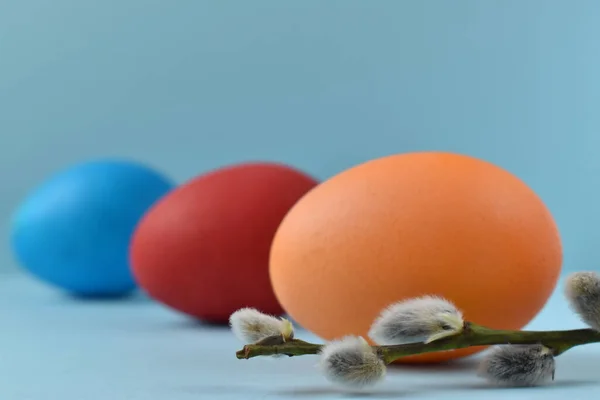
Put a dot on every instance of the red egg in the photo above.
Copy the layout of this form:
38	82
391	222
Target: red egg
203	249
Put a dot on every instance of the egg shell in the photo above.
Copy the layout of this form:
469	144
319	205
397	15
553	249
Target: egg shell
413	224
73	230
203	250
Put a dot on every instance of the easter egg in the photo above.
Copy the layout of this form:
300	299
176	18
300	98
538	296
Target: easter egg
203	249
407	225
73	231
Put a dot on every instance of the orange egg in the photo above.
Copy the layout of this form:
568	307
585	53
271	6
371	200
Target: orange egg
414	224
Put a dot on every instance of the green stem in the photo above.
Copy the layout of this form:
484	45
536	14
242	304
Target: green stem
294	347
472	335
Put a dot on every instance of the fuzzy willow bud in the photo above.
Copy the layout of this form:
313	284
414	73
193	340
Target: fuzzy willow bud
582	289
352	362
251	326
518	365
422	319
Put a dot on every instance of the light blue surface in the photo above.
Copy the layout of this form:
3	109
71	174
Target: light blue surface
56	348
190	85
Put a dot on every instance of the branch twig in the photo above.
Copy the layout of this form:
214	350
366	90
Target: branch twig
472	335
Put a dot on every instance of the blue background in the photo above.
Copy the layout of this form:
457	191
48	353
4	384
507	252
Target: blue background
189	85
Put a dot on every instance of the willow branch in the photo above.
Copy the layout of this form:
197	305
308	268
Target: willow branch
472	335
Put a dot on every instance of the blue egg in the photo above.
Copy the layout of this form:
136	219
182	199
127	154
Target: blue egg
74	230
